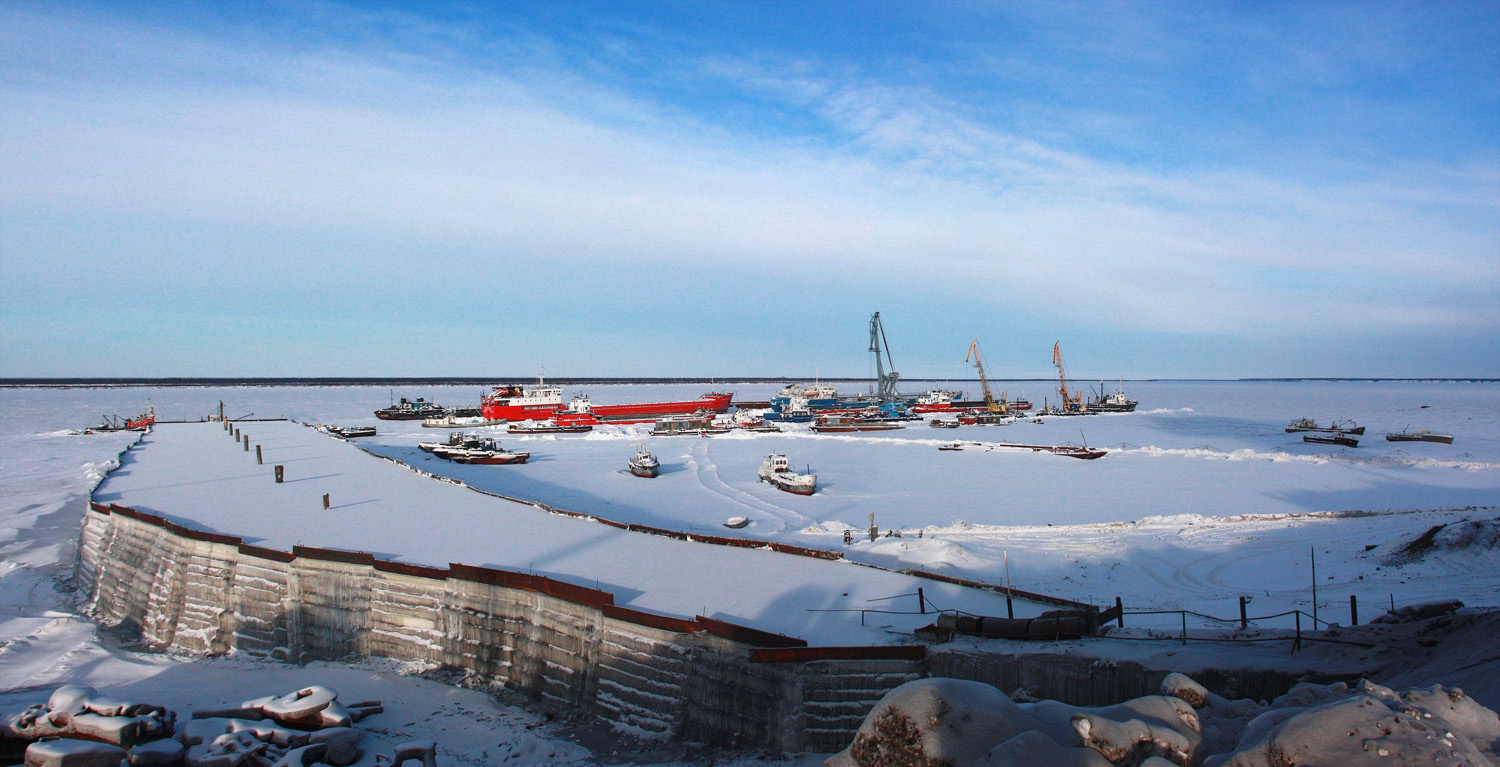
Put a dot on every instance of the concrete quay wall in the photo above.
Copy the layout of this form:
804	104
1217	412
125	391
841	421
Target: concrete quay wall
649	675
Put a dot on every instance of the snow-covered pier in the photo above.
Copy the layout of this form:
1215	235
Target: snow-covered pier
197	543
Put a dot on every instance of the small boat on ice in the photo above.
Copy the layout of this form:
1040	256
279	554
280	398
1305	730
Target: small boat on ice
488	453
455	421
938	423
1420	435
1337	427
644	464
349	432
737	523
700	424
778	471
845	423
952	446
1336	438
548	427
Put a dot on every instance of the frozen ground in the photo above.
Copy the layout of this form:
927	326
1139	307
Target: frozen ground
1204	499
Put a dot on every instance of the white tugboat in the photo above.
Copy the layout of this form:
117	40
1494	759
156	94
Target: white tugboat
644	464
778	471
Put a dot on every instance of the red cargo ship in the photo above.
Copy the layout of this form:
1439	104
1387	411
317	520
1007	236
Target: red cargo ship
543	402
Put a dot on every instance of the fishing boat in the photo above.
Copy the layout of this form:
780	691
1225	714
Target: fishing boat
1336	438
1420	435
778	472
515	402
455	439
1337	427
548	427
833	424
487	453
696	425
644	464
349	432
411	410
1115	402
143	421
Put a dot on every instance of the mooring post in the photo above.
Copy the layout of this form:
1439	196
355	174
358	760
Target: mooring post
921	601
257	454
325	500
247	443
280	472
1353	611
1184	626
1244	622
1120	610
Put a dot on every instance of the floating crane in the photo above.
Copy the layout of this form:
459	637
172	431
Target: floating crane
1070	402
1003	406
887	381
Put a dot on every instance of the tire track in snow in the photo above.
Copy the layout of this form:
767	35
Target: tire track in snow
707	473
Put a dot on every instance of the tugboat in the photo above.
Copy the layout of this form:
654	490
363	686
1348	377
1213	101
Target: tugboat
1337	427
1114	403
699	424
411	410
451	450
548	427
488	453
1421	435
778	471
644	464
936	401
1336	438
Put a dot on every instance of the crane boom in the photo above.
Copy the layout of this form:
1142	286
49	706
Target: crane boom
1003	405
1075	400
885	381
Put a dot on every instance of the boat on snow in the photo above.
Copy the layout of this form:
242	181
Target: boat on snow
452	420
488	453
936	401
938	423
984	418
777	471
754	423
1420	435
411	410
696	425
548	427
833	424
516	402
1336	438
350	432
1338	427
644	464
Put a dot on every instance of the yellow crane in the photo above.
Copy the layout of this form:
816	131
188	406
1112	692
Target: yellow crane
1003	406
1072	401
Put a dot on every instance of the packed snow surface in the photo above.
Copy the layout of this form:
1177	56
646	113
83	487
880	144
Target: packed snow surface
1203	498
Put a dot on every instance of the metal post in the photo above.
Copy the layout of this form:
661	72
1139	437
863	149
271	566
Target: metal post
279	473
1353	611
1314	554
921	601
257	454
1184	626
1010	610
1244	622
325	500
1120	608
1297	643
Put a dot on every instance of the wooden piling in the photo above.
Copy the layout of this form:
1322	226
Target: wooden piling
1120	609
247	443
280	473
257	454
325	500
1353	611
1244	622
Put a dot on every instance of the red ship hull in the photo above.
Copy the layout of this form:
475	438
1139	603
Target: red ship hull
636	413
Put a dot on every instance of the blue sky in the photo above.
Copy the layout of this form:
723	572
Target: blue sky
720	189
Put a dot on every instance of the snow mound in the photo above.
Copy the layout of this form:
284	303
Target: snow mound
946	721
1473	535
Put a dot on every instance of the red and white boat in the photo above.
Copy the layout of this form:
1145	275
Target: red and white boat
936	401
514	402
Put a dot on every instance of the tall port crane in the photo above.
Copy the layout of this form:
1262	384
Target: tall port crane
1070	402
1003	406
886	381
